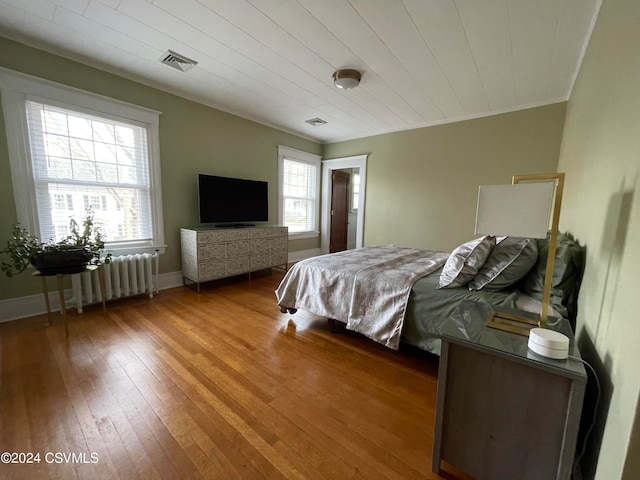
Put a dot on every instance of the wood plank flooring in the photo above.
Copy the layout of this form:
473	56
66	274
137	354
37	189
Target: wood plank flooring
216	385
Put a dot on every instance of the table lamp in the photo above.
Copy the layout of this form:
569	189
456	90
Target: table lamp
529	207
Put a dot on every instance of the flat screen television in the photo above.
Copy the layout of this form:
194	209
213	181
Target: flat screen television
232	201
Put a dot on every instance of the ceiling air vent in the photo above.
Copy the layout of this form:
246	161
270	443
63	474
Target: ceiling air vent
177	61
316	122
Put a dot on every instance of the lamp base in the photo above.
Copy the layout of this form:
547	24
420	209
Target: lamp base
512	323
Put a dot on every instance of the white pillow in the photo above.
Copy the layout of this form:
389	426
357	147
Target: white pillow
465	261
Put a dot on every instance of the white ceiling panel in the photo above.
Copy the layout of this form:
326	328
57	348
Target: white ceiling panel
41	8
439	25
393	24
88	28
423	62
77	6
573	23
533	34
487	29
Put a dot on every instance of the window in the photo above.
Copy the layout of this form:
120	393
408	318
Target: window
81	151
96	202
62	202
299	182
355	190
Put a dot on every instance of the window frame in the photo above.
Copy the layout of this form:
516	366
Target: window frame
302	157
17	88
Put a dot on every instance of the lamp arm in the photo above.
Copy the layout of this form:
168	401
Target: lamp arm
551	255
548	278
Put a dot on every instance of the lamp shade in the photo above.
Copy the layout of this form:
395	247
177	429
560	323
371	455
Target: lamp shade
519	210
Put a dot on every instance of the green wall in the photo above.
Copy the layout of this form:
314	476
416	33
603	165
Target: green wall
422	184
193	138
600	154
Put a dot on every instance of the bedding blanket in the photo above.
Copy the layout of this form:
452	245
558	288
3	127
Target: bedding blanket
368	287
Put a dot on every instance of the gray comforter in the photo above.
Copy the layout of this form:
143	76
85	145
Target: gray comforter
429	308
367	288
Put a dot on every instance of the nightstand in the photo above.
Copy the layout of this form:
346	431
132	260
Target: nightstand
504	412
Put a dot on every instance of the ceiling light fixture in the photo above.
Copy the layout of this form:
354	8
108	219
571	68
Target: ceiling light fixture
346	79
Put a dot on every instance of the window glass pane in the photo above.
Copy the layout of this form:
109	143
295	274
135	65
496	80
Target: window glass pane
79	127
84	170
355	195
55	123
111	207
109	159
107	172
299	195
57	146
104	152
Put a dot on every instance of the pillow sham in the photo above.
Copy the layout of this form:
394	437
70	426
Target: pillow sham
567	275
464	262
509	261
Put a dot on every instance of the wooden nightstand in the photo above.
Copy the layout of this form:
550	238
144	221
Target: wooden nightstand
504	412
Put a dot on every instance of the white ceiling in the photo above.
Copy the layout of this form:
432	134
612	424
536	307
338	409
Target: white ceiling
423	62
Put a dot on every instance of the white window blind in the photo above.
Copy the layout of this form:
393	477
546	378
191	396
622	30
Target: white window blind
299	191
300	195
100	162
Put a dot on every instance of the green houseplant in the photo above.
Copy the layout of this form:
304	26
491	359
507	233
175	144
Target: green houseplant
85	245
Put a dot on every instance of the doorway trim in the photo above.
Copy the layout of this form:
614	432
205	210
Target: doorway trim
356	161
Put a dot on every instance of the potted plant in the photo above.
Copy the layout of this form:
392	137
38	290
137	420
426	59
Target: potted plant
70	255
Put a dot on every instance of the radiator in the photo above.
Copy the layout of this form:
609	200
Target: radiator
124	276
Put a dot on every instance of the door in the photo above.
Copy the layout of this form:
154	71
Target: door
339	211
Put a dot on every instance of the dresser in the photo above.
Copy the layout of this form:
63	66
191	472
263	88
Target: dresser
503	412
209	253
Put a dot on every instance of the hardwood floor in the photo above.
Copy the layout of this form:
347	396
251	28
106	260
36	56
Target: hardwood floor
216	385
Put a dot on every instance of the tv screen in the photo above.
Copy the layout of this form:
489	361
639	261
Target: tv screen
227	200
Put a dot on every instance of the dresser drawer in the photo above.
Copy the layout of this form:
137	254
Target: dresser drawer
281	258
258	262
211	251
260	246
237	249
211	270
219	236
238	265
280	244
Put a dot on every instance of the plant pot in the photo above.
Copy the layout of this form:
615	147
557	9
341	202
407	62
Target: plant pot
64	261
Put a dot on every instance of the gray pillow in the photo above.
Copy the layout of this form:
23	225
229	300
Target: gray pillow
465	261
567	274
509	261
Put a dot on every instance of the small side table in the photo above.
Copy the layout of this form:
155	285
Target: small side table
60	280
503	412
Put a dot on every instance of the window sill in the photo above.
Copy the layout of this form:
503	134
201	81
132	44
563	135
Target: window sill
301	235
132	250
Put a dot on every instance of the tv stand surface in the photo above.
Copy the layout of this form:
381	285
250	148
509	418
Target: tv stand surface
210	253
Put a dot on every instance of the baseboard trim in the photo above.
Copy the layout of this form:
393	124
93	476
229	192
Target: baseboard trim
31	305
303	254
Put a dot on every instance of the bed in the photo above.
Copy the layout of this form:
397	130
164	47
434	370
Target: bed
393	294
